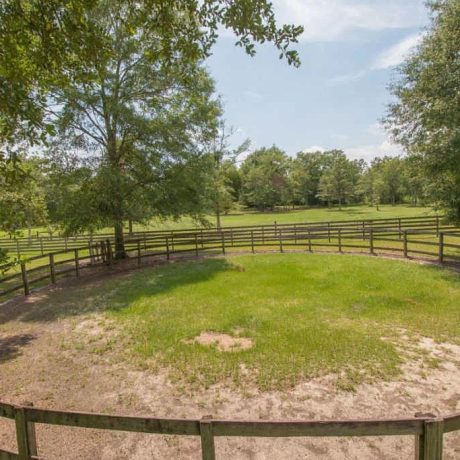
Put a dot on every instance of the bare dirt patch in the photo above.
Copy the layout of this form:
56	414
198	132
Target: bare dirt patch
223	342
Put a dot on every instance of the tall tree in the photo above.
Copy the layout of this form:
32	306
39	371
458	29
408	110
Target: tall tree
426	117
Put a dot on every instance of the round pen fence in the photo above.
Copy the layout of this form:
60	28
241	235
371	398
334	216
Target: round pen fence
416	238
427	430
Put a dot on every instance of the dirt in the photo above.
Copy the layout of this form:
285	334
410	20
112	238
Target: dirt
75	361
223	342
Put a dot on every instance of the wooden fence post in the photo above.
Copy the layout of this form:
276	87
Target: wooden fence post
167	248
364	230
25	280
201	236
222	235
281	241
437	225
77	264
329	232
309	240
432	445
32	436
295	234
252	241
441	248
405	243
196	244
138	252
339	236
371	241
52	269
208	451
22	434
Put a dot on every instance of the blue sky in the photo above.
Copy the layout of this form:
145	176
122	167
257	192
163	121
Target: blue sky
349	51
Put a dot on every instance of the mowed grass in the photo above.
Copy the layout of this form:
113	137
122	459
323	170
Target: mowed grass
248	217
307	314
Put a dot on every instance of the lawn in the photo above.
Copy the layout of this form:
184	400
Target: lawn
306	314
282	217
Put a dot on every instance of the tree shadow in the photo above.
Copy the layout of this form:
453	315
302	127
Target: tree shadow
109	291
10	347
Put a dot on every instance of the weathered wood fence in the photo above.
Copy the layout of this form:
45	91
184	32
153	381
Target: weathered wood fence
42	245
428	431
432	241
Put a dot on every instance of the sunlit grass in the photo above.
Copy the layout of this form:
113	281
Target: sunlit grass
307	315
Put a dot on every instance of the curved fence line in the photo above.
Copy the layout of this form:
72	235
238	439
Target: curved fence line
43	245
438	244
428	429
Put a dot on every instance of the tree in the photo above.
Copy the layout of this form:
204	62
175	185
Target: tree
338	182
426	115
224	177
42	39
265	179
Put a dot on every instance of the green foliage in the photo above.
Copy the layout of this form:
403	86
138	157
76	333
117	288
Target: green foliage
46	42
265	178
426	116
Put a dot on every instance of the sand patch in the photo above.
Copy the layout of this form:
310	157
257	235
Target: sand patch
224	342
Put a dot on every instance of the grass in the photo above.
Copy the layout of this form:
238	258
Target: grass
282	217
308	315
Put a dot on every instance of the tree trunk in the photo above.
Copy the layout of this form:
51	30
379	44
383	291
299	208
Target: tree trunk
120	252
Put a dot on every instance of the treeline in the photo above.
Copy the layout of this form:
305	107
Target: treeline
268	177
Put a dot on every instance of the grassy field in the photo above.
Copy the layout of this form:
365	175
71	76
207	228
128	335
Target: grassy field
307	315
283	217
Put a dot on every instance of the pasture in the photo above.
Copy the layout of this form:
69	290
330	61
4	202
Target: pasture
302	336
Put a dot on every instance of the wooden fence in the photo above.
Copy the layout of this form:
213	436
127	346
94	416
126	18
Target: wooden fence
45	244
440	244
428	430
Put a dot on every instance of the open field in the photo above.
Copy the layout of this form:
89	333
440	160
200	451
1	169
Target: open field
300	336
281	217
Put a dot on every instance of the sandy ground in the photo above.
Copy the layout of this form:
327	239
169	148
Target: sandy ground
63	361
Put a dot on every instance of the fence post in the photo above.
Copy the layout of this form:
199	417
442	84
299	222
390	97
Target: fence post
431	443
252	241
295	234
309	240
399	227
371	241
437	225
231	236
25	280
22	434
31	433
441	247
52	269
263	234
138	252
201	236
222	235
405	243
167	248
208	451
329	232
196	244
364	230
77	264
340	239
17	249
281	241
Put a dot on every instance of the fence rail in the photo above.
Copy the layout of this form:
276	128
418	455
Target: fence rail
45	244
428	431
437	243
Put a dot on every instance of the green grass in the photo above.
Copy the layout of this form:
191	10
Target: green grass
308	315
282	217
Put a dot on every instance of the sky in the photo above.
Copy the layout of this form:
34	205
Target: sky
337	98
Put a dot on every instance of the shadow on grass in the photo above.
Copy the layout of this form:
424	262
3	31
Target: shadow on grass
109	291
10	347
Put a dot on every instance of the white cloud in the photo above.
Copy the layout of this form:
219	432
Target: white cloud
330	20
397	53
388	58
254	95
314	148
370	151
